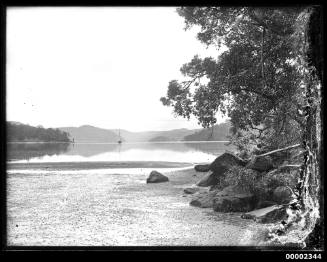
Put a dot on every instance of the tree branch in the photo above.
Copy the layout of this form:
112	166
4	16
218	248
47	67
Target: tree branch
269	97
279	150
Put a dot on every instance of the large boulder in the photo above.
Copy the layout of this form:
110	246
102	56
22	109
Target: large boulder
225	161
275	178
260	163
233	199
156	177
230	199
282	195
208	179
219	167
232	204
202	168
203	199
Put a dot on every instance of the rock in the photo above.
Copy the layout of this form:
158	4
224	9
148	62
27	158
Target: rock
279	177
261	214
282	195
191	190
156	177
274	216
232	191
233	199
231	204
201	168
230	199
208	179
216	187
265	203
225	161
260	163
203	199
219	167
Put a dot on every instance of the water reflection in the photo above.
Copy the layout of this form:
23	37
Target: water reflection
27	151
210	147
80	152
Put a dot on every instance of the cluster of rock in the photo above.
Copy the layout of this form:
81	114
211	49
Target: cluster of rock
208	192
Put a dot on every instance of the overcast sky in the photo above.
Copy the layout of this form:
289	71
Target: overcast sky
106	67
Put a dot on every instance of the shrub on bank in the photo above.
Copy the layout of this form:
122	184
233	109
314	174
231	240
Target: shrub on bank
263	184
242	177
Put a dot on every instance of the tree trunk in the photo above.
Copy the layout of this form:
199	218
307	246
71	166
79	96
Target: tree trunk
310	186
313	134
308	210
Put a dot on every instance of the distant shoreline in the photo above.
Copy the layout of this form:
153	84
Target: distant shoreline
38	142
96	165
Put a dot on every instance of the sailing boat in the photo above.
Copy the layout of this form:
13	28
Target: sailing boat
119	141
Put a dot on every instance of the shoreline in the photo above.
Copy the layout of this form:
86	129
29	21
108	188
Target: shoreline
86	165
115	143
117	209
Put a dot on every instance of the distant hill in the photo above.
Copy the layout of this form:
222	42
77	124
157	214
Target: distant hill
18	132
159	139
91	134
155	136
218	133
171	135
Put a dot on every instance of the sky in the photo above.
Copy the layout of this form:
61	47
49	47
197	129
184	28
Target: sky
100	66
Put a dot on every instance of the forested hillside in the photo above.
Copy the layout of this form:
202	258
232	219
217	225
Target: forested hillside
17	132
215	133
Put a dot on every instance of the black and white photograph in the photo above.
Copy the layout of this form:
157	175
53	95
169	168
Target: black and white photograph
164	126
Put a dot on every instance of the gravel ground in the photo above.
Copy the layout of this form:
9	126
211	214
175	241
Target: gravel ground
91	209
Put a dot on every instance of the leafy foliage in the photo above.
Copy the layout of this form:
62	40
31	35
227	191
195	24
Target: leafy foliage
255	82
241	177
269	83
261	185
215	133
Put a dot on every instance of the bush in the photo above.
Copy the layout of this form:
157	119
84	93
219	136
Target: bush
261	185
241	177
276	178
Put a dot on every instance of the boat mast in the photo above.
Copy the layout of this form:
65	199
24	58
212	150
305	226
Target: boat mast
119	141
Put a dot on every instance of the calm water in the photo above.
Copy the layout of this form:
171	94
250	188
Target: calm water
189	152
96	194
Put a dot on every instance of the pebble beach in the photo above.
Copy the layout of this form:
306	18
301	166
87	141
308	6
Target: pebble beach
103	207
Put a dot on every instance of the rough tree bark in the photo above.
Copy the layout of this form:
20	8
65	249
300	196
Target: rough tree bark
313	135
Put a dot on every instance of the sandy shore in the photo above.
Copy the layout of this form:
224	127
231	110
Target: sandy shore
117	210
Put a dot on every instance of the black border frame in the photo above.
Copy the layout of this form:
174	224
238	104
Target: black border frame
274	252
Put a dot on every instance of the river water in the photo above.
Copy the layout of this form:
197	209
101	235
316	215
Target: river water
96	195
